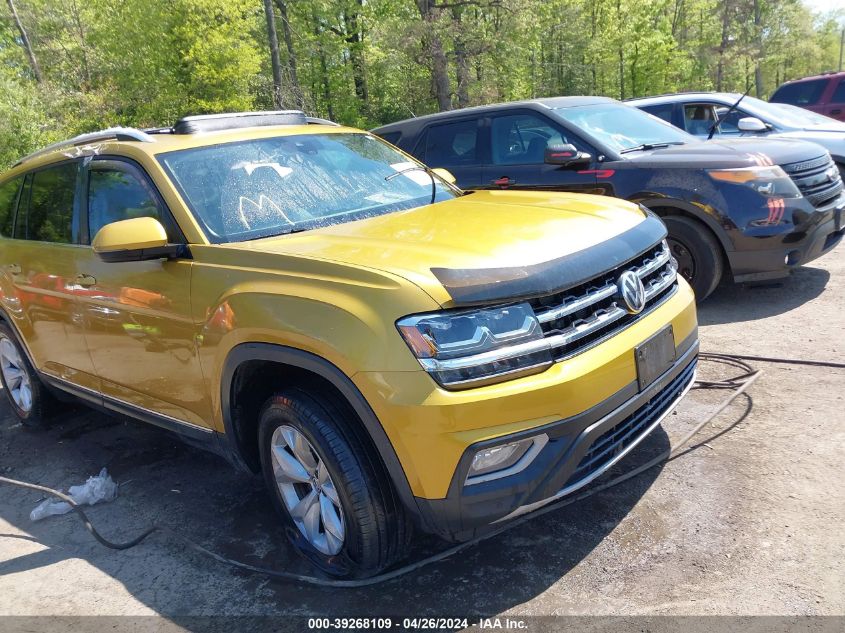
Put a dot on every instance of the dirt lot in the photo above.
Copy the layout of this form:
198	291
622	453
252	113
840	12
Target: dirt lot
750	523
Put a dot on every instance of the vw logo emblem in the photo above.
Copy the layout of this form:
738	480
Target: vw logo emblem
632	291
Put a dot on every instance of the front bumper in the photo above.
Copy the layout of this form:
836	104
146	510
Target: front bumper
579	449
773	256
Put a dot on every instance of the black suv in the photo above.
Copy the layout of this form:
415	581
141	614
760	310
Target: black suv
752	208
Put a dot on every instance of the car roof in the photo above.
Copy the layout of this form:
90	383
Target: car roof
549	103
827	75
676	97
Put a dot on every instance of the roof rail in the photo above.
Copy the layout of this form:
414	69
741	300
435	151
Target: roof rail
110	134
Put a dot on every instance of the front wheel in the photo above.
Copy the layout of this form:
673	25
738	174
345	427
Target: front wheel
698	254
329	487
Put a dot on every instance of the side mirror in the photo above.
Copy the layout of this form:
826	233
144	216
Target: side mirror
133	240
445	174
565	155
751	124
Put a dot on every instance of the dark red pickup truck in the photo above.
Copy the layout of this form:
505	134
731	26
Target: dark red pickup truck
824	94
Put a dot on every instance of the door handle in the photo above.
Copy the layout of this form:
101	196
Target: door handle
504	181
86	281
14	269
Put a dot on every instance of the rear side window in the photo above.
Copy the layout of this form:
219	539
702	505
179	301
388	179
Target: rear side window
8	202
452	144
661	111
800	93
49	215
839	93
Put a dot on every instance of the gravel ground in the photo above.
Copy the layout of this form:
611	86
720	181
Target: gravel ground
749	523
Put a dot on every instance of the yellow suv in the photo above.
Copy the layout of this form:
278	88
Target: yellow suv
318	307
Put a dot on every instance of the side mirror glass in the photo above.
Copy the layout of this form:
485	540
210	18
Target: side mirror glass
565	155
133	240
445	174
751	124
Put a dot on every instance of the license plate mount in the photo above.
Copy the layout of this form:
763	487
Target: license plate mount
654	356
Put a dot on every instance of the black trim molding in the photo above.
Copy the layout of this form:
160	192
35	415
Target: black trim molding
486	285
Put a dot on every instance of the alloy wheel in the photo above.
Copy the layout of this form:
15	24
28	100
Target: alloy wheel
307	490
15	375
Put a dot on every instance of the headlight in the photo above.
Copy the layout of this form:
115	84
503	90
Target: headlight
472	348
771	182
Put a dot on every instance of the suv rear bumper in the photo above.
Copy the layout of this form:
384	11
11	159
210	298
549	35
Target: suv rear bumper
604	433
795	248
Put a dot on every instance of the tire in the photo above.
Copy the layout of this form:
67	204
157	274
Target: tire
28	397
698	253
352	489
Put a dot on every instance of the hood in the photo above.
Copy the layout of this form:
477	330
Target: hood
510	231
726	154
834	142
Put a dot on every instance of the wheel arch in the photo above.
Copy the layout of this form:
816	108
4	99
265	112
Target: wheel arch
665	208
260	367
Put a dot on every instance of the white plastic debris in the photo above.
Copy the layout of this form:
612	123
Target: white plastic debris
96	489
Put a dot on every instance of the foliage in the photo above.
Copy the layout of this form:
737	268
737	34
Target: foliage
147	62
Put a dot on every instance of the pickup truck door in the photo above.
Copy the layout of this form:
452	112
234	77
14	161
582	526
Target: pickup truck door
138	323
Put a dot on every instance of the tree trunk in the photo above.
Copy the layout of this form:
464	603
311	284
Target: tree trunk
462	60
324	67
723	46
439	63
274	53
286	33
355	41
33	62
758	41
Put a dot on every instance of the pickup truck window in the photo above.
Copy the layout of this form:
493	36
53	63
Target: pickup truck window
286	184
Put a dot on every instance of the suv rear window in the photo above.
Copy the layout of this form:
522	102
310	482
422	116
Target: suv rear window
8	199
49	215
800	92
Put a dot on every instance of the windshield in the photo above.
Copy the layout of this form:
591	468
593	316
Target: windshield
786	114
622	127
273	186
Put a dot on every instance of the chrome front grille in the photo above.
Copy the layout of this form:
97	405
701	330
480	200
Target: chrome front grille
583	316
817	179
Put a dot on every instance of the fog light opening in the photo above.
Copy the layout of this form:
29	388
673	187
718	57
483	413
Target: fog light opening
792	258
503	460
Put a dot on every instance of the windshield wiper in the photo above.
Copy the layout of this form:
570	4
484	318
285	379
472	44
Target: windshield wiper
719	120
428	171
647	146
